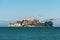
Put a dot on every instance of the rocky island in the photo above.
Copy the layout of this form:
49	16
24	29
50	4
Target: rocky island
31	22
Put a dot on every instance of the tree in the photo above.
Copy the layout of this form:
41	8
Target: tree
50	23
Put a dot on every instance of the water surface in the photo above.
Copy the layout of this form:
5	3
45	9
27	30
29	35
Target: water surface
27	33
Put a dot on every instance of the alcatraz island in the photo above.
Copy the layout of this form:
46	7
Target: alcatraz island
31	22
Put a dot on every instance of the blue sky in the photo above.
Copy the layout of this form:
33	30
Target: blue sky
19	9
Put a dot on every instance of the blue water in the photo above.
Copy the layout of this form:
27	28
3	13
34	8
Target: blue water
26	33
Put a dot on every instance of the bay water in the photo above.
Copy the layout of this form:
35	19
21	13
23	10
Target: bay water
29	33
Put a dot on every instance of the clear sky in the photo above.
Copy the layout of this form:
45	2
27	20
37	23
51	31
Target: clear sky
18	9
